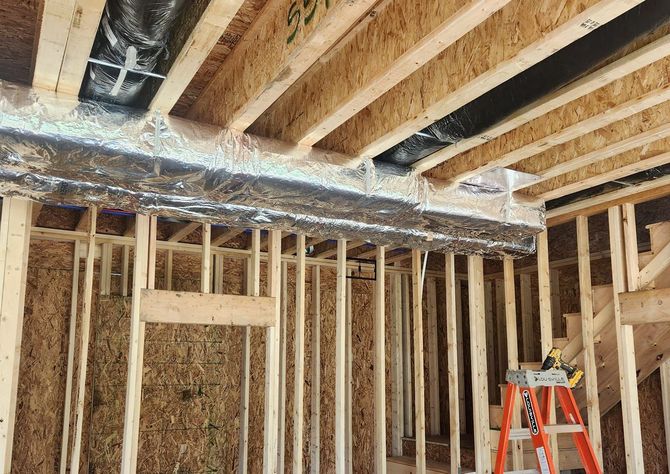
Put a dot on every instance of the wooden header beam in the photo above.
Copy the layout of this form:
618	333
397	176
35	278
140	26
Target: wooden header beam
177	307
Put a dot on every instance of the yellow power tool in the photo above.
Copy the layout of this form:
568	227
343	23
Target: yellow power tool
554	361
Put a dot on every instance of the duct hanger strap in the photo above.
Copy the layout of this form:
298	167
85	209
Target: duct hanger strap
102	62
131	62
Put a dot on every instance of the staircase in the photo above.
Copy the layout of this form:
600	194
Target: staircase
652	348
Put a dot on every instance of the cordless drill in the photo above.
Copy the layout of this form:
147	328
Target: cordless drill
554	361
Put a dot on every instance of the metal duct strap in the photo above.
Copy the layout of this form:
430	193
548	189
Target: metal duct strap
133	35
55	149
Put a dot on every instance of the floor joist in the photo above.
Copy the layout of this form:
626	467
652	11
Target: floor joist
263	67
375	129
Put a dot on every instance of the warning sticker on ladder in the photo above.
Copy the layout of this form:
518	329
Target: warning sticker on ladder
542	458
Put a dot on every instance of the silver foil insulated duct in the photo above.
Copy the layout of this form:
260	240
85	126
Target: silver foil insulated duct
58	150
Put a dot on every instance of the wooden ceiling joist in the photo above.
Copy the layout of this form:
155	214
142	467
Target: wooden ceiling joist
205	35
82	224
56	22
634	194
630	63
616	101
373	60
521	34
612	169
184	232
399	257
281	44
66	38
333	251
636	131
620	149
227	236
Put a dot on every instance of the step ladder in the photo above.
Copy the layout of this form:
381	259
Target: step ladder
538	430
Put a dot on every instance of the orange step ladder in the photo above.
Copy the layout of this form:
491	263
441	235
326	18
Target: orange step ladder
538	430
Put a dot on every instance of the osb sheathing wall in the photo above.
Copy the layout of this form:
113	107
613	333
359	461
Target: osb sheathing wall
191	392
190	408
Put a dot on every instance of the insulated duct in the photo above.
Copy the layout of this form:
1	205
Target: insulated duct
554	72
133	35
57	150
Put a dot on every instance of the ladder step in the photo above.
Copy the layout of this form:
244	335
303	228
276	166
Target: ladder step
523	471
524	433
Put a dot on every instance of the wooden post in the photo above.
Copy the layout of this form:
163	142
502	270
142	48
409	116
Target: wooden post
500	333
169	259
14	245
586	305
143	277
70	358
419	389
218	273
106	269
315	424
206	259
433	361
340	357
270	446
630	408
281	440
87	301
348	379
299	388
453	372
527	318
125	270
252	288
407	359
546	332
512	350
665	396
397	417
490	342
380	363
480	396
557	315
461	361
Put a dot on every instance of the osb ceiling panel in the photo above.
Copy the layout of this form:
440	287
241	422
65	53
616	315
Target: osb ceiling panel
232	35
19	29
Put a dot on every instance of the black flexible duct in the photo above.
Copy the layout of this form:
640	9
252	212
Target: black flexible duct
134	34
556	71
